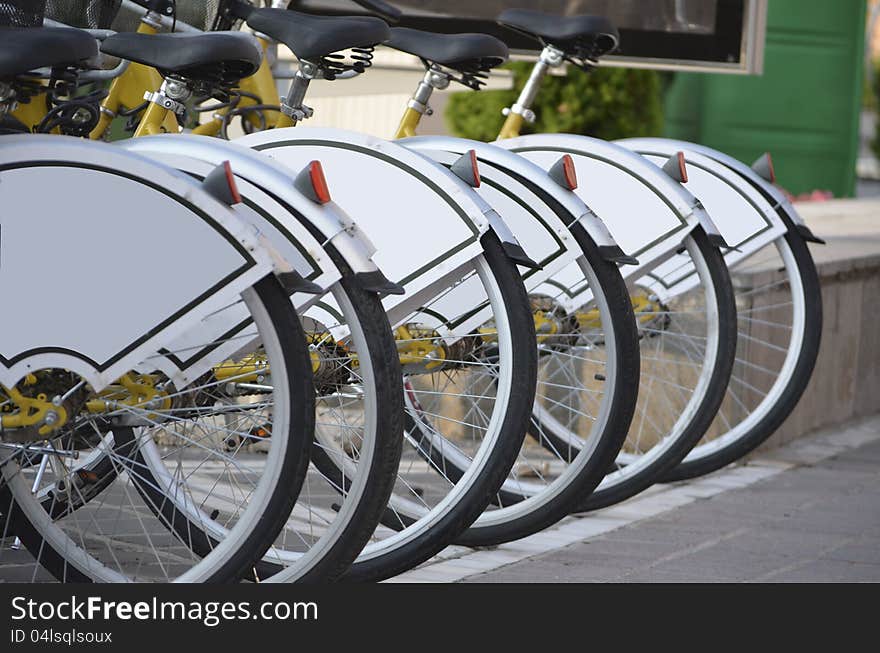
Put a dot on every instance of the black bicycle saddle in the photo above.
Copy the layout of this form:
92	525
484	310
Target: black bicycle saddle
211	56
582	36
314	37
453	50
27	48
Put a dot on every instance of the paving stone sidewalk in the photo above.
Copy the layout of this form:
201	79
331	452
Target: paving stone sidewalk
807	512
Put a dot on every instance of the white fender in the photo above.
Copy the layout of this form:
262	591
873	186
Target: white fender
268	203
496	222
293	221
771	192
426	223
532	222
289	220
107	257
646	211
745	218
517	187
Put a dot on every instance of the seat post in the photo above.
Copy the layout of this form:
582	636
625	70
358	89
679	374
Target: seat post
293	109
172	96
521	112
418	106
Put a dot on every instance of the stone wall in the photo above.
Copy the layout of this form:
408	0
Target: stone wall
846	382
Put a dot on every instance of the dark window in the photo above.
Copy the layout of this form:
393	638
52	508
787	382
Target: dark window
709	31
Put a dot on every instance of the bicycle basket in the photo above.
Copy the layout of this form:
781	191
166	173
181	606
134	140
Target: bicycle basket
205	15
209	15
22	13
85	14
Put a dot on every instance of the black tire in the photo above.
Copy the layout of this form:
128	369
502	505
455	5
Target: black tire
623	396
381	475
798	382
296	459
500	459
711	401
362	520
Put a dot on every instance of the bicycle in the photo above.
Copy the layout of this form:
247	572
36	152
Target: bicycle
105	385
780	314
782	317
686	368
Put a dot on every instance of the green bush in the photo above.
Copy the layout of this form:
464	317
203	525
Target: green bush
607	103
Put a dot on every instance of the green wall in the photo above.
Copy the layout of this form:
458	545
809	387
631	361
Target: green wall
805	107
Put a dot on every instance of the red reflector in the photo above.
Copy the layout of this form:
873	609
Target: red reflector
233	187
682	167
476	168
571	177
771	169
319	182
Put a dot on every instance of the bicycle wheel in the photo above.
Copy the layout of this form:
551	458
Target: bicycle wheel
357	446
688	345
588	378
119	526
475	396
356	369
779	316
359	408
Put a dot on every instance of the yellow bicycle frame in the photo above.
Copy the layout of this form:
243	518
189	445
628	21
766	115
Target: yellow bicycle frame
512	127
128	90
31	113
411	119
408	124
